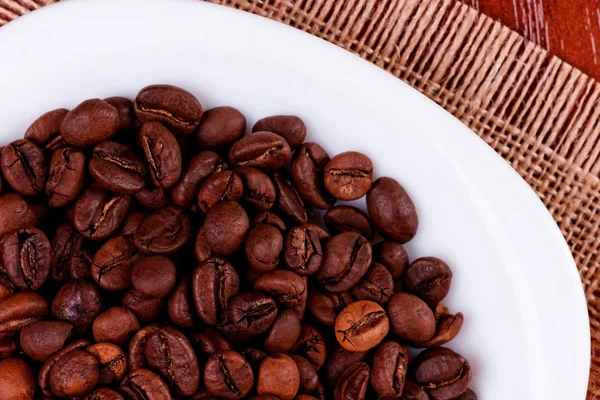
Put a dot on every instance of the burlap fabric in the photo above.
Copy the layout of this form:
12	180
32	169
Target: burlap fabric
537	112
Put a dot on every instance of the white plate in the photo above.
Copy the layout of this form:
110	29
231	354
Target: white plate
526	328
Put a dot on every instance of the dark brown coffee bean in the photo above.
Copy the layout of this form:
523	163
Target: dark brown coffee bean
252	312
66	176
44	375
353	383
228	375
443	373
214	283
348	176
209	342
145	308
326	306
16	380
287	287
115	325
303	253
176	108
45	131
81	264
90	123
377	285
278	375
410	317
289	202
321	232
390	364
66	242
113	262
290	127
154	276
220	187
220	126
412	391
74	374
307	167
162	154
429	278
202	165
263	246
131	223
339	361
361	326
392	211
26	258
117	168
104	393
393	256
77	302
311	345
16	213
39	340
125	108
163	232
264	150
225	227
202	249
136	354
99	212
112	362
19	310
468	395
152	198
259	190
144	384
347	259
170	353
284	332
7	348
309	380
24	167
348	219
447	328
270	218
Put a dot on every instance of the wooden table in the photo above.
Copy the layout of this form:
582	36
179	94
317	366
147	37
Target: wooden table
569	29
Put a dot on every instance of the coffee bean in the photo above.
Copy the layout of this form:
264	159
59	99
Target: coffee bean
311	345
170	353
136	354
202	249
259	190
411	319
263	246
24	167
20	309
202	165
44	375
283	333
321	232
39	340
309	380
353	383
145	308
112	362
214	283
348	176
307	167
303	253
412	391
104	393
209	342
132	222
390	364
154	276
361	326
339	361
392	256
220	187
289	202
66	176
125	108
252	312
220	126
65	243
6	285
74	374
264	150
77	302
228	375
152	198
16	380
429	278
16	213
44	132
269	218
447	328
81	264
443	373
163	232
7	348
290	127
113	262
347	259
115	325
117	168
325	307
99	213
162	154
225	227
176	108
468	395
348	219
288	288
144	384
90	123
377	285
278	375
26	258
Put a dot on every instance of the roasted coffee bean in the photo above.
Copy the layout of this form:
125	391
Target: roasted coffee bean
44	375
290	127
311	345
307	167
20	309
176	108
112	362
154	276
74	374
26	258
259	190
220	187
145	308
144	384
66	176
392	211
321	232
339	361
131	223
24	167
264	150
428	278
288	288
65	243
283	333
377	285
6	285
81	264
77	302
263	246
115	325
225	227
278	375
163	232
309	380
468	395
152	198
410	317
412	391
214	283
348	176
202	249
447	327
125	108
104	393
7	348
136	354
252	312
113	262
99	212
162	153
303	253
90	123
347	259
16	213
388	373
325	307
228	375
361	326
443	373
117	168
289	203
220	126
201	166
44	132
392	256
209	342
170	353
353	383
269	218
16	380
348	219
39	340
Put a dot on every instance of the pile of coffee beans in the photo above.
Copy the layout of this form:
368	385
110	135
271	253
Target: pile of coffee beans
151	250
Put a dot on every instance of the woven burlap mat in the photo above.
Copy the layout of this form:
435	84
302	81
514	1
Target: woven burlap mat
537	112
